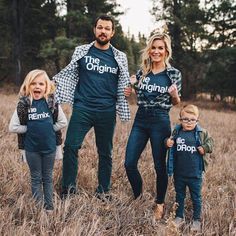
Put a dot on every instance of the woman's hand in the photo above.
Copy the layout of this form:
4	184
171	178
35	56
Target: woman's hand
172	90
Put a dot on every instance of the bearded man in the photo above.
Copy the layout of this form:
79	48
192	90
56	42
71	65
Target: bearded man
93	82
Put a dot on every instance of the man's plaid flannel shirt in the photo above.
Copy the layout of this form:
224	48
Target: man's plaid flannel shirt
67	79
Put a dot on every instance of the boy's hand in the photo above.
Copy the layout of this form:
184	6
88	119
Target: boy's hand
169	142
201	150
127	91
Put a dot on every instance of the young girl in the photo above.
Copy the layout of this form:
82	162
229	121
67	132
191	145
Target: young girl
38	119
158	89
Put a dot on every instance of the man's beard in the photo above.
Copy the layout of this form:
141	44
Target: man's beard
102	42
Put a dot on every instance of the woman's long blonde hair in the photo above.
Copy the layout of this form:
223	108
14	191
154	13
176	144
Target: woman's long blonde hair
146	63
25	87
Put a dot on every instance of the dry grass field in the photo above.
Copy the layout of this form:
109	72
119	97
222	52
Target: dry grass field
86	215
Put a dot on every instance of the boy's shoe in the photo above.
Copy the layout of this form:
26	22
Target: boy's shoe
49	212
159	211
196	226
48	208
178	222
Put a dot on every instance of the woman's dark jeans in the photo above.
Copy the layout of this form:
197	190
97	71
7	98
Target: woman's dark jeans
41	171
153	124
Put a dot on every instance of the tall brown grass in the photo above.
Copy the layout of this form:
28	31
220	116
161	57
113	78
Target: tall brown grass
86	215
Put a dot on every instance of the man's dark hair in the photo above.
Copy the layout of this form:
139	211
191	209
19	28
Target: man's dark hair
107	18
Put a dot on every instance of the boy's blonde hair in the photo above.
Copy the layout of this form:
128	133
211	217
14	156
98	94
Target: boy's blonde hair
146	63
190	109
25	87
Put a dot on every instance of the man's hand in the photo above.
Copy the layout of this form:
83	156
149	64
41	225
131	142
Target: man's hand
127	91
133	79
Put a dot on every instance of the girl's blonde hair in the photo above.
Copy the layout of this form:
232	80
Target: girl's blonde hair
190	109
25	87
146	64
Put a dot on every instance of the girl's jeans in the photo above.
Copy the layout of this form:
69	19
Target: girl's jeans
80	123
195	185
41	171
153	124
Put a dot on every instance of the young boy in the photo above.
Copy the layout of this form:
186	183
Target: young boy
188	145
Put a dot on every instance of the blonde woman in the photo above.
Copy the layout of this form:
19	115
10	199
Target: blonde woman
38	120
158	89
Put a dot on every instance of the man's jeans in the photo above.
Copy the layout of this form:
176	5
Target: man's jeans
41	171
153	124
195	186
80	123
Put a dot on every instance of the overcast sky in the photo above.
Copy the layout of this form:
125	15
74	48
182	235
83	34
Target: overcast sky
137	17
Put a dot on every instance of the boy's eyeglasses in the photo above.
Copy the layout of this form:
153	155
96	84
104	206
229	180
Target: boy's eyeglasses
187	120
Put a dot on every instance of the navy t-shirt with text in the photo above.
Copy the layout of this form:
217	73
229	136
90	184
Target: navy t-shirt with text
98	80
40	135
188	161
153	87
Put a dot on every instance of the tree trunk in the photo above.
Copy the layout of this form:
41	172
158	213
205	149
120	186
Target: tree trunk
17	15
